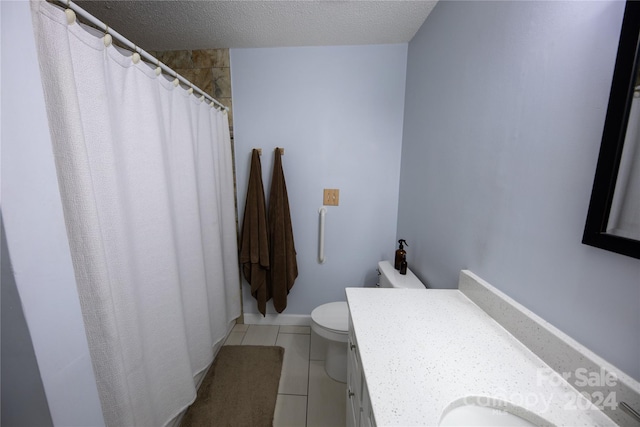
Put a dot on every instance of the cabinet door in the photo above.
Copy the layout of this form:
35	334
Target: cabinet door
359	411
353	403
353	362
366	419
354	382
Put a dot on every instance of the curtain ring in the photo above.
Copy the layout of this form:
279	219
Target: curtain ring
71	16
107	37
136	56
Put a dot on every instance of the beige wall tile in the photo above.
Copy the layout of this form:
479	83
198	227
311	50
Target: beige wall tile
200	77
176	58
207	69
222	82
202	58
221	58
187	73
203	79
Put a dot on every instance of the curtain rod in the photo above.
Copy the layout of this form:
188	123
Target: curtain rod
122	39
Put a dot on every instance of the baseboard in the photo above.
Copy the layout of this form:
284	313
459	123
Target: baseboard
277	319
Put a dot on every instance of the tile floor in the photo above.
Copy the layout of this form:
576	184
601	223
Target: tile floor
307	397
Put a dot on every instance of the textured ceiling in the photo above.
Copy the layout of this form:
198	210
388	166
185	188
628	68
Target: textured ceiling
208	24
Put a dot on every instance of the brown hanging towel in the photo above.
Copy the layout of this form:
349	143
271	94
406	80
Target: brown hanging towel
254	241
284	268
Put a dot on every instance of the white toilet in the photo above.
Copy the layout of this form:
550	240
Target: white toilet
331	320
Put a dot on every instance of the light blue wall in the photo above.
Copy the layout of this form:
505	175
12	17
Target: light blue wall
23	402
338	113
505	106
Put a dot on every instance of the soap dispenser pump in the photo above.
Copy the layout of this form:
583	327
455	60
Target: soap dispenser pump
400	254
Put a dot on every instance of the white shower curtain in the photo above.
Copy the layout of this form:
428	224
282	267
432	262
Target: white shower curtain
146	178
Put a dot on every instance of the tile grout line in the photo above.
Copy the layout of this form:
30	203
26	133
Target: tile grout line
306	396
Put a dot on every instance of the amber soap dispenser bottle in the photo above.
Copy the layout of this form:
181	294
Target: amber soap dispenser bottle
403	266
400	254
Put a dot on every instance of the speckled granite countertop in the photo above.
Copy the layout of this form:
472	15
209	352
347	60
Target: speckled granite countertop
424	351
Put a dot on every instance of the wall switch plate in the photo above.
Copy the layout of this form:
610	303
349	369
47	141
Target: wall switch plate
331	197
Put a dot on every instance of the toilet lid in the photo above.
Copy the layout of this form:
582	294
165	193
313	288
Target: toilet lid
333	315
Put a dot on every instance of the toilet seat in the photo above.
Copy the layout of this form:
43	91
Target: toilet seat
331	321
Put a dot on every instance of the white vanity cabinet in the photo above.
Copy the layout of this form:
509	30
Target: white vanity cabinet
359	411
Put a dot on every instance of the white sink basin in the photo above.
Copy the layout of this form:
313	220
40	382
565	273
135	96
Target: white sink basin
488	412
472	415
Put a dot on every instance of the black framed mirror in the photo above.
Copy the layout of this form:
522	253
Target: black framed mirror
610	186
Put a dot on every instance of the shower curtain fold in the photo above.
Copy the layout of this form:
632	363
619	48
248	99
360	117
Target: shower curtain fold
146	180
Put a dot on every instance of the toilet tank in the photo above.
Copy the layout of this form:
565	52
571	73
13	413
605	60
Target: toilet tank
389	277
